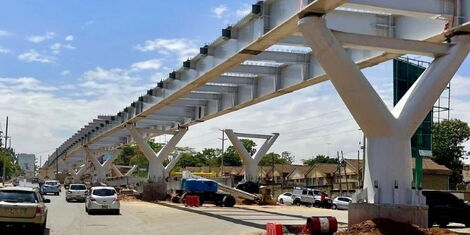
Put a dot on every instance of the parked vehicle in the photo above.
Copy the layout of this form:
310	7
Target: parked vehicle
76	192
23	207
285	198
67	181
207	190
51	186
102	199
311	197
341	203
444	208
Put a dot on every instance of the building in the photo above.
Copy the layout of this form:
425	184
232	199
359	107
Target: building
27	163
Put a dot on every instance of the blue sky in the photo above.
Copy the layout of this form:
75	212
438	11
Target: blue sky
62	63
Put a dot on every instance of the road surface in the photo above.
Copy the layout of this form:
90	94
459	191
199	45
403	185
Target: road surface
141	218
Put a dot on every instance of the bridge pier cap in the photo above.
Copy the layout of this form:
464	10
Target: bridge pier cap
388	173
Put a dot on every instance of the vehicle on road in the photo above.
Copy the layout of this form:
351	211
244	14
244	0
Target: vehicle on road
23	207
311	197
102	199
207	190
341	203
51	186
445	208
285	198
76	192
67	181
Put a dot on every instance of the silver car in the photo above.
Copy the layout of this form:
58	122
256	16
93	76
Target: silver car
76	192
22	207
102	199
341	203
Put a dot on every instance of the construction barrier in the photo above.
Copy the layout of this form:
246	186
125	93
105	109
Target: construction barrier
322	225
315	225
191	201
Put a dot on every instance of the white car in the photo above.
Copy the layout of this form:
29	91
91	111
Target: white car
285	198
341	203
102	199
77	192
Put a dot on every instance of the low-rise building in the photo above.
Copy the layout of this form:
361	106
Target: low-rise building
466	174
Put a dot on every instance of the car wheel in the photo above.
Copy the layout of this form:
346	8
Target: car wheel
281	201
334	207
57	194
467	224
443	224
297	202
90	212
117	212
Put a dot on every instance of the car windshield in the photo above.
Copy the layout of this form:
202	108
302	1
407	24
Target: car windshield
51	182
18	196
104	192
77	187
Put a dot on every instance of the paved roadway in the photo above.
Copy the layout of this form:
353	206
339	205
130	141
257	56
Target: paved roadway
166	218
140	218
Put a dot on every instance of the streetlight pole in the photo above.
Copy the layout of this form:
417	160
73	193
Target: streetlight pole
222	155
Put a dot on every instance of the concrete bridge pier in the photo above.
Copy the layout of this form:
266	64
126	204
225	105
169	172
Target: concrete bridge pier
250	163
388	173
101	169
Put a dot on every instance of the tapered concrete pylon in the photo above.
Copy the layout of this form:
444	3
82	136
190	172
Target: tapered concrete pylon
156	172
388	174
101	169
250	163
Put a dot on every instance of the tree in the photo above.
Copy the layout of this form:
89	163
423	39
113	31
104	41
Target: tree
12	169
231	157
274	158
447	139
319	159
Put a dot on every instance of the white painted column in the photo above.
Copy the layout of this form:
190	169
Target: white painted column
101	169
172	164
156	172
129	172
250	163
389	152
116	171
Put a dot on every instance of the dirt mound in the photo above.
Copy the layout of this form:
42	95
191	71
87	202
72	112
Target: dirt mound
390	227
127	198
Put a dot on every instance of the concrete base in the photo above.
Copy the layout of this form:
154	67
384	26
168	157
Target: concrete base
154	191
417	215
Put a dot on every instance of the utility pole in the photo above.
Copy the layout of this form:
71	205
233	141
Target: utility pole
339	169
4	159
359	176
223	150
364	144
6	133
345	172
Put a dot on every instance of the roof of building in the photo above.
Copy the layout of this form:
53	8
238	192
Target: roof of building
431	167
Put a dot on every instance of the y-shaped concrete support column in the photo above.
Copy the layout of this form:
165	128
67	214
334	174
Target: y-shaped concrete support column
156	169
101	169
129	172
388	175
116	171
250	163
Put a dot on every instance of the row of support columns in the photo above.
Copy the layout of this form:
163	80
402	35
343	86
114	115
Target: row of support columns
388	173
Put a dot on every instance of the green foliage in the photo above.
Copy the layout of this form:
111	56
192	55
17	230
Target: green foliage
319	159
12	169
274	158
447	139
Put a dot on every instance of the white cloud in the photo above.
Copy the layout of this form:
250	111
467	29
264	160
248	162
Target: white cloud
57	47
41	38
34	56
219	11
4	33
4	51
65	72
243	11
146	65
69	38
25	84
184	48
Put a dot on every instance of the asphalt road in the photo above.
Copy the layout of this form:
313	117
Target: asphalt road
140	218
